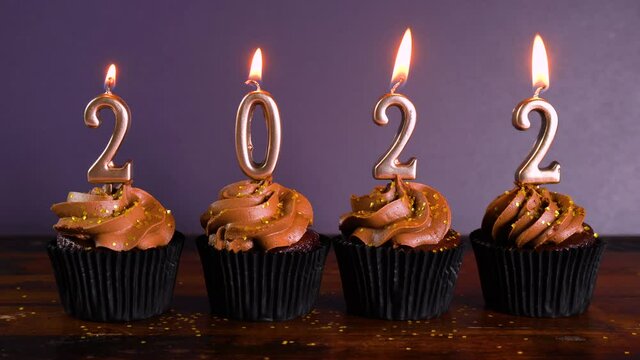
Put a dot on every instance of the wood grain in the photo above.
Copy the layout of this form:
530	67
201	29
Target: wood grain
33	325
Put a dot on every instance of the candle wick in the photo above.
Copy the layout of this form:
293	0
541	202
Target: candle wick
254	83
539	90
396	86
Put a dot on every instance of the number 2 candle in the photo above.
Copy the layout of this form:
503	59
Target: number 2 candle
529	172
388	167
104	171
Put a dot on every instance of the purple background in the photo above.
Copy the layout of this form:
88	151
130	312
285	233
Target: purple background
182	65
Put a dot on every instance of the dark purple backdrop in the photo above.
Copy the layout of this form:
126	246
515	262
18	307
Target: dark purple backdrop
182	65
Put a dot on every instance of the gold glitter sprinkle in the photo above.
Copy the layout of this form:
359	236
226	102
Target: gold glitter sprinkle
519	352
142	342
113	244
168	211
595	235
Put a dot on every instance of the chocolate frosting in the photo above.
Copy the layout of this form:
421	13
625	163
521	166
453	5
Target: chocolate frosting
531	216
129	218
263	213
408	214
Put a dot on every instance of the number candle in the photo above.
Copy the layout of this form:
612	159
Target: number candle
529	172
388	167
244	147
104	171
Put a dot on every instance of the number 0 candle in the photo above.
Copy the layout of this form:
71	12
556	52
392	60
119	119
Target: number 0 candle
529	172
244	147
389	167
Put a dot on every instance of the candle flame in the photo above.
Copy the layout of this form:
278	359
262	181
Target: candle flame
110	79
403	59
255	73
539	64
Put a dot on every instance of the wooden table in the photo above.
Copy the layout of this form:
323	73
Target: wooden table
32	323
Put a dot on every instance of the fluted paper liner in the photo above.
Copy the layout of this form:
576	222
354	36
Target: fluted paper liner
396	284
262	286
113	286
549	283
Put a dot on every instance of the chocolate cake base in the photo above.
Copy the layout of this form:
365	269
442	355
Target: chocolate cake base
264	286
553	281
99	284
398	283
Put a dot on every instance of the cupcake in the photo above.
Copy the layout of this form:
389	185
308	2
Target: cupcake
261	261
535	254
398	256
116	255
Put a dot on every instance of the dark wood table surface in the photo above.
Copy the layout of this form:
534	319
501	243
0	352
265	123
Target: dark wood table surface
33	324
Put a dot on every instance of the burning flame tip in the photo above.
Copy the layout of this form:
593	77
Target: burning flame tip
539	64
110	78
255	73
403	59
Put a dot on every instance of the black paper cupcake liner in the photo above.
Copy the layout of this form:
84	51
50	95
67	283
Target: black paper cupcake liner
114	286
396	284
260	286
550	283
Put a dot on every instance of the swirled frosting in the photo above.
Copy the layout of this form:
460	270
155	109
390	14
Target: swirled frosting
408	214
531	216
262	213
127	219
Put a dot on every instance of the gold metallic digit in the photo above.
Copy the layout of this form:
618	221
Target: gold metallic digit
244	149
389	166
529	172
103	171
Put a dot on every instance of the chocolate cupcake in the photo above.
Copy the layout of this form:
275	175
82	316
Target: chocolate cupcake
535	255
116	255
261	261
398	257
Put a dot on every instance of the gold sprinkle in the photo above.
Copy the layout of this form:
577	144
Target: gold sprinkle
311	344
284	342
168	211
142	342
627	353
595	235
519	352
407	348
517	204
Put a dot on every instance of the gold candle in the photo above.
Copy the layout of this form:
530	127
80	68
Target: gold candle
244	147
529	172
388	167
104	171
